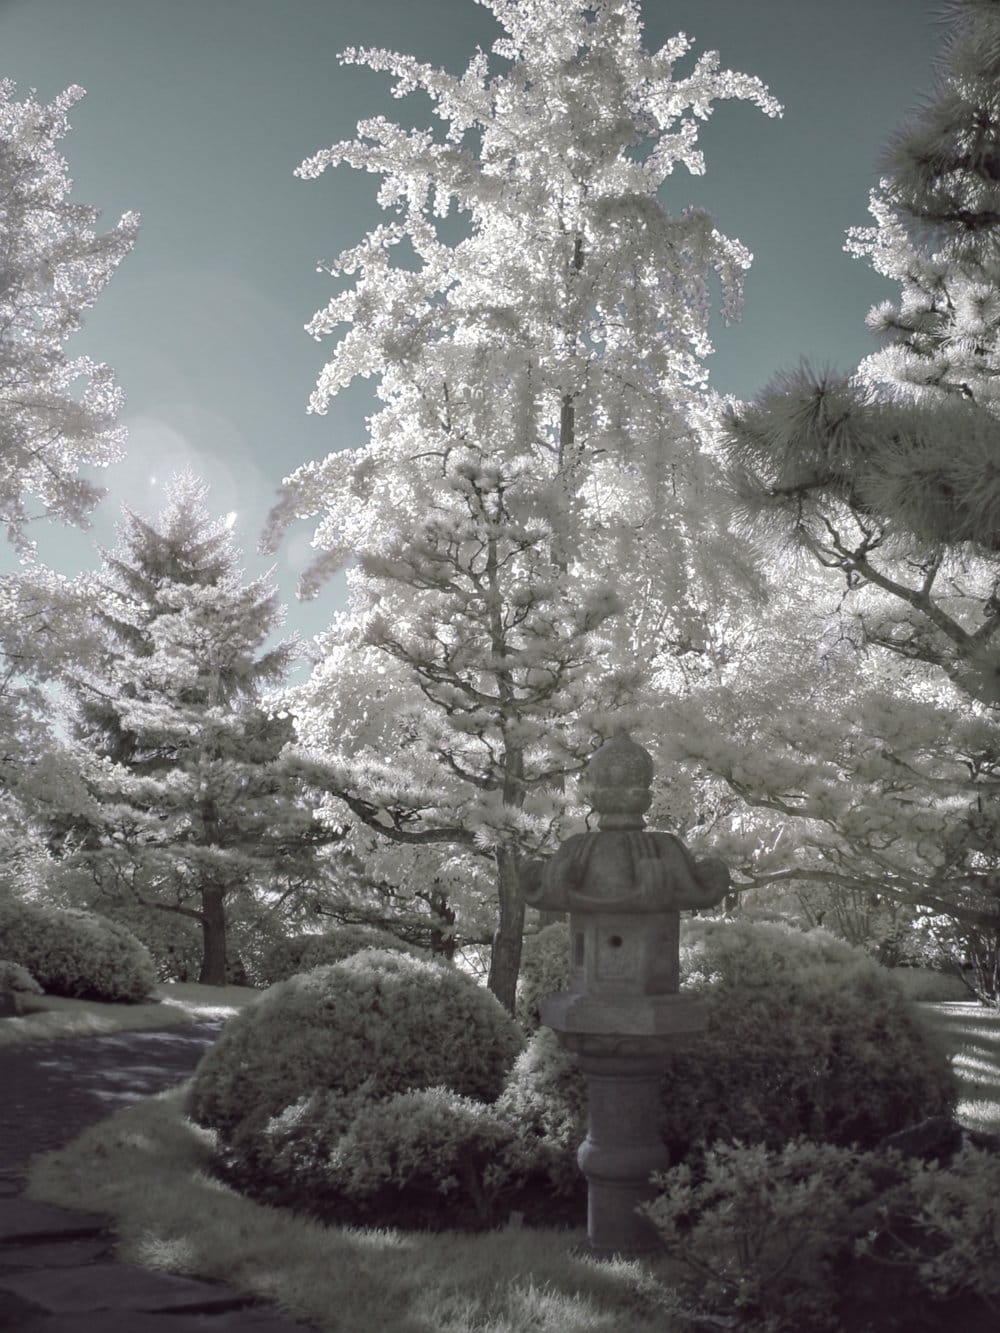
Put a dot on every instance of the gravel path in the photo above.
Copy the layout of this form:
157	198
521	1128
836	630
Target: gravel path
53	1090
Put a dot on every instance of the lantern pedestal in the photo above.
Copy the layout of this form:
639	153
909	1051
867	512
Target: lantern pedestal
622	1046
622	1149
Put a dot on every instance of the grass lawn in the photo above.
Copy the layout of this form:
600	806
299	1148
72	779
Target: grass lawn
972	1035
148	1166
46	1017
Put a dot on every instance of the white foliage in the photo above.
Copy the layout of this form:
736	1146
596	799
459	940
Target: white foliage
56	413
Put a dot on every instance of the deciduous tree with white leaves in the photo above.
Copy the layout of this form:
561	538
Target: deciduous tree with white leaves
521	521
57	413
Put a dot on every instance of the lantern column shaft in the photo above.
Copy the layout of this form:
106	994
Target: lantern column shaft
622	1148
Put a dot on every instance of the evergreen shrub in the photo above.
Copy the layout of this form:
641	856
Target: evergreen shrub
806	1036
15	977
758	1233
370	1026
428	1158
814	1236
300	953
76	954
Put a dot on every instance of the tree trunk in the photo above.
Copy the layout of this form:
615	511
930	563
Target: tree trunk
442	939
505	959
213	931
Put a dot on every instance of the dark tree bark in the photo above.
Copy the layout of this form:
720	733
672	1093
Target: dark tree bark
213	929
505	960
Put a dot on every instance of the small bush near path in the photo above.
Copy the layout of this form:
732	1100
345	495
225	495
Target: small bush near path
81	955
17	978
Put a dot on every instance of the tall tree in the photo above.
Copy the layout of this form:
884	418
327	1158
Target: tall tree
194	809
890	479
57	414
534	464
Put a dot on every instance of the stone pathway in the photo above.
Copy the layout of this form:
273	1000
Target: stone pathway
57	1270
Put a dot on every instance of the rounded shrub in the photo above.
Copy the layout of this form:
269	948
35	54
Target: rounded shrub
15	977
300	953
375	1024
76	954
806	1036
428	1158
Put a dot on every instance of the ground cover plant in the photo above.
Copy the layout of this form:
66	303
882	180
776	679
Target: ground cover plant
972	1033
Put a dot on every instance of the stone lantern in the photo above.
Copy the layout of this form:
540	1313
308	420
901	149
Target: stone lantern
624	889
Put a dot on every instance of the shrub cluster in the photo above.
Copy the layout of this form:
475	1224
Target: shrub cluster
297	1079
300	953
806	1036
385	1088
76	954
822	1237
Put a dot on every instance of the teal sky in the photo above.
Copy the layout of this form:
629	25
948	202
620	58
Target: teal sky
198	111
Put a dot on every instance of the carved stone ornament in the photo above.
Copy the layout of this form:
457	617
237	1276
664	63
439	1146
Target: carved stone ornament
623	867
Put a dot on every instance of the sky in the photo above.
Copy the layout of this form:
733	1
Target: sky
198	111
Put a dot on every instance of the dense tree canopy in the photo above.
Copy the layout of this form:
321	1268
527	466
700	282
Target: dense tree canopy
889	480
521	521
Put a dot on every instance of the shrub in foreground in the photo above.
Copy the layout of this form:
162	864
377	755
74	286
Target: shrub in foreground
379	1022
76	954
821	1237
805	1036
429	1158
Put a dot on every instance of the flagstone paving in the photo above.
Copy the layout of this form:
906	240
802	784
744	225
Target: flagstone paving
57	1268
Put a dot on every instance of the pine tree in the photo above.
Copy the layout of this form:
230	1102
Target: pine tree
890	479
535	459
196	811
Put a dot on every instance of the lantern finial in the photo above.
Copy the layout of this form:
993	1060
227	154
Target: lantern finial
617	782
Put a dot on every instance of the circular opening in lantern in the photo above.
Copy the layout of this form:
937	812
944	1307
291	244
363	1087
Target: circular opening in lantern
615	941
